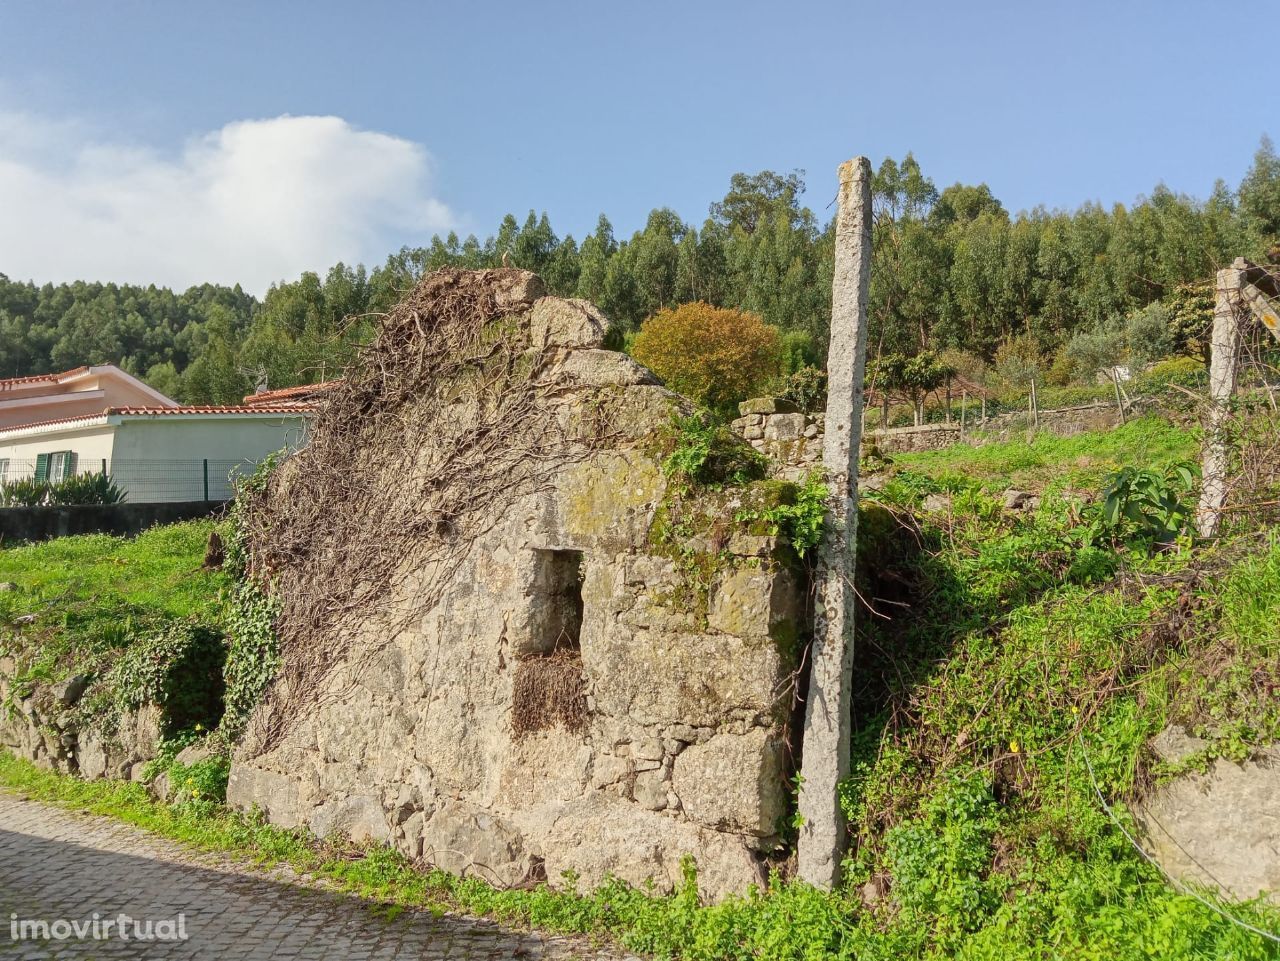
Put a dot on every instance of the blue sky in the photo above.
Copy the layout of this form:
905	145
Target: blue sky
123	116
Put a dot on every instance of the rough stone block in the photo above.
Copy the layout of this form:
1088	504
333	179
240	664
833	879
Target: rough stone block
605	368
719	783
284	800
656	678
784	427
91	755
752	602
767	405
470	842
567	323
359	817
1219	829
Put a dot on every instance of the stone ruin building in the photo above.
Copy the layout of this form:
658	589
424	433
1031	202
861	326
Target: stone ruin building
513	645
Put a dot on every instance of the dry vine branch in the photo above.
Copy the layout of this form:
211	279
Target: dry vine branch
449	416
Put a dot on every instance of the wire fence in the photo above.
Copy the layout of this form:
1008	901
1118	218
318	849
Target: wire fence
141	480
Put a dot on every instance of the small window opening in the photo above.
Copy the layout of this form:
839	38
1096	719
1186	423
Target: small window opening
549	688
558	601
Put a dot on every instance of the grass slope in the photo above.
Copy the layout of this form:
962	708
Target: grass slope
1047	461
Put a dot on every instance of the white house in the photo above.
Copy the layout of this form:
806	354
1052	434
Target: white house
153	448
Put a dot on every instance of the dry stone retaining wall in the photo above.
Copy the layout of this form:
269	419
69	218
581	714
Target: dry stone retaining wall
42	727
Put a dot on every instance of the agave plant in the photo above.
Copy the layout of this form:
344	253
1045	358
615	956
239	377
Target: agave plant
25	492
96	488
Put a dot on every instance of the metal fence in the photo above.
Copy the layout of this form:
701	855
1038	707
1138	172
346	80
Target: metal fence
143	481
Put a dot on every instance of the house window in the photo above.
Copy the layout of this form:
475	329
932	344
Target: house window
55	466
4	468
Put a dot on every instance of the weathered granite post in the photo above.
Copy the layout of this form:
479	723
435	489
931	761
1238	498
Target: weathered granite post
1224	365
825	751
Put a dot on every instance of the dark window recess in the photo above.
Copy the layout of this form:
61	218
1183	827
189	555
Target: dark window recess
549	688
557	601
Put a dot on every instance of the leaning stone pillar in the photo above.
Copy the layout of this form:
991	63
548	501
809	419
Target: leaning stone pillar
825	749
1224	364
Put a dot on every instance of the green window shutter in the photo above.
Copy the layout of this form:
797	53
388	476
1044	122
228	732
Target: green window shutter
42	468
68	464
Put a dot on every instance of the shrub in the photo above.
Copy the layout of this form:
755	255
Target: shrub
1190	309
179	668
77	489
1062	370
806	387
95	488
803	521
1092	351
1018	363
26	492
1183	371
713	355
799	351
1145	507
1149	333
710	454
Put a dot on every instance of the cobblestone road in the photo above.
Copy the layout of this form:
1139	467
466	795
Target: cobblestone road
58	866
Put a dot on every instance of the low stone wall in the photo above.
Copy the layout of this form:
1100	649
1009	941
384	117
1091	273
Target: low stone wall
912	440
778	429
43	523
42	727
1064	422
793	439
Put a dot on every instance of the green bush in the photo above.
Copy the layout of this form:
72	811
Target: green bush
96	488
1092	351
1187	372
1149	334
802	521
179	668
708	453
806	387
1144	507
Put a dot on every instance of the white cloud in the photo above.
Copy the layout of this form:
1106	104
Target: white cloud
253	203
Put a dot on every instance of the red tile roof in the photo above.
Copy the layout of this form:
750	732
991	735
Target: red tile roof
7	382
213	409
303	391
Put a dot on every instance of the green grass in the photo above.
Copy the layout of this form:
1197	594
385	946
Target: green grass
157	571
1079	461
92	593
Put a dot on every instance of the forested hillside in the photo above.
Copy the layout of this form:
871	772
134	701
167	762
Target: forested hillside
953	269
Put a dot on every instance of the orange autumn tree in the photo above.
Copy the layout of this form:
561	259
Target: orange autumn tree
713	355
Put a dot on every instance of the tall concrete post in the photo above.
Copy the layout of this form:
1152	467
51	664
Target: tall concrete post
1224	365
825	750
